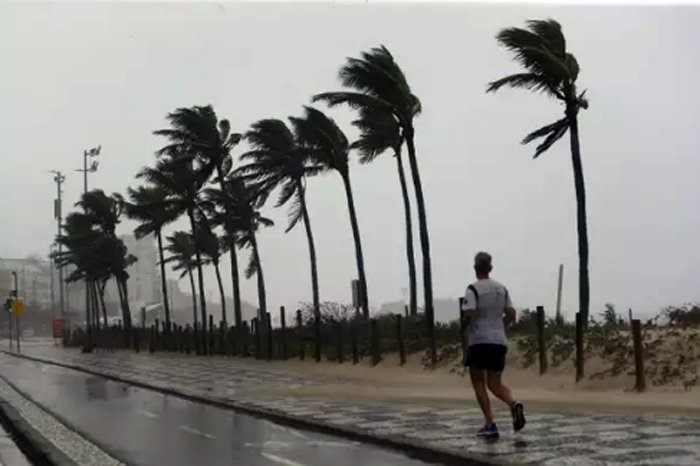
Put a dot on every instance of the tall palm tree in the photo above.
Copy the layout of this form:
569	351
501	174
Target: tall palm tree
375	80
198	131
175	171
244	222
212	248
181	250
329	148
550	69
379	132
149	205
276	161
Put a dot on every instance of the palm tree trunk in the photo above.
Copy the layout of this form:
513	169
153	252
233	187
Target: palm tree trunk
194	296
221	291
103	285
312	250
424	242
126	311
94	305
163	281
200	276
409	234
235	275
88	316
262	299
364	301
583	279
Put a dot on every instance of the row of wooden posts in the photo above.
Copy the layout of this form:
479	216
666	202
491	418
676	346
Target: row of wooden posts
230	341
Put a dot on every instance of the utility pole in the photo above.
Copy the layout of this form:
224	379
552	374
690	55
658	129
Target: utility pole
559	286
16	296
53	293
90	153
59	178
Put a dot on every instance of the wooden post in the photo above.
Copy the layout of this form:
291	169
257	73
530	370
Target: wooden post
541	347
245	338
353	342
157	342
463	326
188	339
630	314
579	346
300	328
268	323
195	337
283	332
374	341
339	335
405	310
641	383
255	329
153	340
399	336
222	338
317	342
211	340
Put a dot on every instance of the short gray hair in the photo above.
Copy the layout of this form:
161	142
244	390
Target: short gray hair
482	262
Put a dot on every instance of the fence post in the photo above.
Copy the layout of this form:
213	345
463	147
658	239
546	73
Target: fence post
211	340
157	340
339	334
152	341
195	338
283	325
317	342
353	342
268	325
374	341
255	330
579	346
641	383
405	310
188	339
222	338
399	338
300	332
540	339
244	340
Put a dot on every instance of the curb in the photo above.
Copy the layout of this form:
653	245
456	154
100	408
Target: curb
414	449
37	449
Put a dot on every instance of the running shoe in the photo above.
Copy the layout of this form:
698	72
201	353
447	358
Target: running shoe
518	413
488	431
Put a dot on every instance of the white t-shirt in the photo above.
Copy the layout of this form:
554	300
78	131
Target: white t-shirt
492	301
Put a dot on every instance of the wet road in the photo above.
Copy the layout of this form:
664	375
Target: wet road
143	427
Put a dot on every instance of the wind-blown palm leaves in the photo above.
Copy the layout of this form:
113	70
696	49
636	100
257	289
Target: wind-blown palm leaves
376	81
181	250
198	132
328	147
150	206
243	224
550	69
276	161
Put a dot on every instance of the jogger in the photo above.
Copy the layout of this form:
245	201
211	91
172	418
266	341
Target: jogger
490	310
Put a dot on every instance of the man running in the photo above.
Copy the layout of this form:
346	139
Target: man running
490	310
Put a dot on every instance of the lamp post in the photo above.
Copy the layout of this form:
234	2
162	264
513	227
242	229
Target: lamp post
88	154
59	178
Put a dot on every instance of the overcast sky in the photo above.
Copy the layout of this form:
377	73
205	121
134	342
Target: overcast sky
77	75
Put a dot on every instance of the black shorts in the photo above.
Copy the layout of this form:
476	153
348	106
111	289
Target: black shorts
489	357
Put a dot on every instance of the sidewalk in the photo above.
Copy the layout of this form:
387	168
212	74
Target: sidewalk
550	438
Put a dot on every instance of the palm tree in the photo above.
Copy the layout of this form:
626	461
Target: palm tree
550	69
176	173
199	132
244	222
379	132
377	81
149	205
328	148
276	161
181	250
212	248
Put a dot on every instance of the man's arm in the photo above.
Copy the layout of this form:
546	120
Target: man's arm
469	304
510	315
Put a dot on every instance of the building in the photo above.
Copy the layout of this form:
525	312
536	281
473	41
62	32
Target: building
33	280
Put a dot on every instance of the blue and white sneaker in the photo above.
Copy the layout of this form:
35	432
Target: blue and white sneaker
488	432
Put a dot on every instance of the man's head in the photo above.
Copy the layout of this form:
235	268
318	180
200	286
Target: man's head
482	264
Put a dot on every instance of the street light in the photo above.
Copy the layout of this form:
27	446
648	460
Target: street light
59	178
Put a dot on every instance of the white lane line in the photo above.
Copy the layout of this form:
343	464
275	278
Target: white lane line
194	431
294	432
281	460
147	413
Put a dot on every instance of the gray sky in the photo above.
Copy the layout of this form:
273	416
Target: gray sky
77	75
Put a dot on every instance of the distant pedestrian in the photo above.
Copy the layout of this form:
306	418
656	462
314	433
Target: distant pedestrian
489	308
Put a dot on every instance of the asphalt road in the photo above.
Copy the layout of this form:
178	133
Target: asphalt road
143	427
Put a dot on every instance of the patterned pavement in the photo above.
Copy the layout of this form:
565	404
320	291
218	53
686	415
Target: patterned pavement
548	439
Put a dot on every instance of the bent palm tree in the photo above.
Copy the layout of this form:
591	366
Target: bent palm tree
379	132
199	132
541	50
328	147
377	81
182	253
211	247
275	160
149	205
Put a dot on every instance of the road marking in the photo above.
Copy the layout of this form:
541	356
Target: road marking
192	430
294	432
281	460
147	413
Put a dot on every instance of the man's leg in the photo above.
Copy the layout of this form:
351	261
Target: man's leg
478	377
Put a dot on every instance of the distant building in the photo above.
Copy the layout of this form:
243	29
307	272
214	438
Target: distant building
33	279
